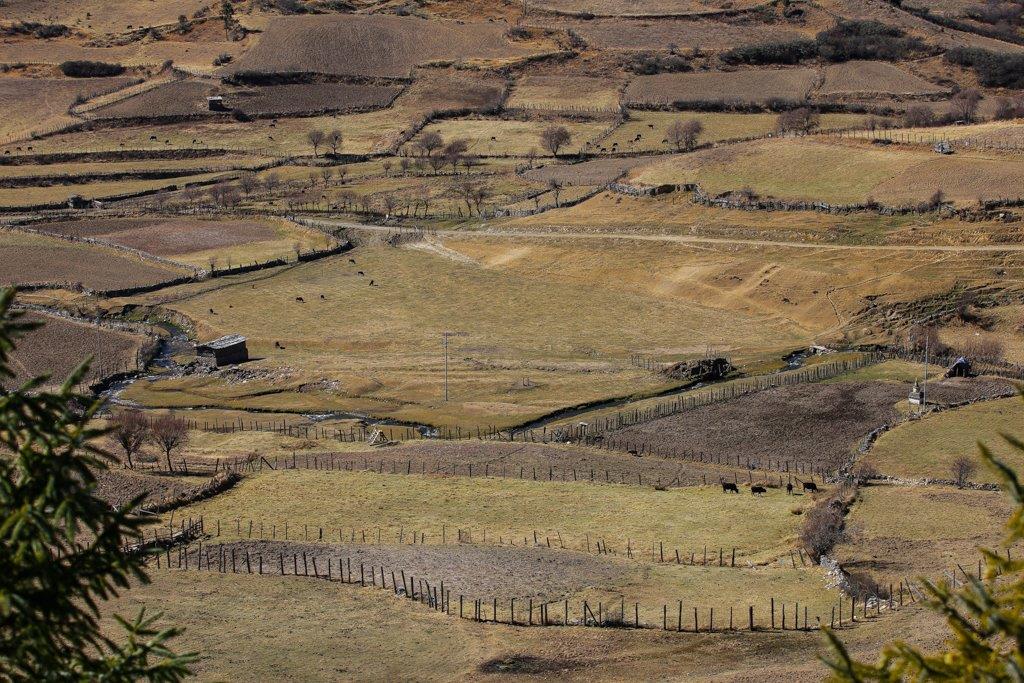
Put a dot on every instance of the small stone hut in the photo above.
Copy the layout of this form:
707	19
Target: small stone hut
224	351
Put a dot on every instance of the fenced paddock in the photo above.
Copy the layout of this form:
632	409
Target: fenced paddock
774	614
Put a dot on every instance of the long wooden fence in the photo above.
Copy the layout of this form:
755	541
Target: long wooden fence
774	615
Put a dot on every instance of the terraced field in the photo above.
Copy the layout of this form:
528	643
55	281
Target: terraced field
188	98
36	260
860	78
366	45
736	86
806	170
58	347
36	104
195	241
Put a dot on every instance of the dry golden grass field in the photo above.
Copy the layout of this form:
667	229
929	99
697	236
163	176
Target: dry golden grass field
652	128
496	286
91	170
56	196
499	372
638	34
497	137
558	93
806	170
379	636
926	449
509	510
36	104
922	531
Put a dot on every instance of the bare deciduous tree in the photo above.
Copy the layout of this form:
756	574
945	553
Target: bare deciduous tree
386	165
801	120
964	104
454	150
247	182
169	433
918	115
430	142
315	139
684	134
271	182
555	186
334	139
129	430
962	469
437	163
555	138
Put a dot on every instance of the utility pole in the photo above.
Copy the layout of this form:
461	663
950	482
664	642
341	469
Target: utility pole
924	385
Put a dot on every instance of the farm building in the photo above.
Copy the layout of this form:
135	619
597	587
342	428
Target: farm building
960	368
215	103
224	351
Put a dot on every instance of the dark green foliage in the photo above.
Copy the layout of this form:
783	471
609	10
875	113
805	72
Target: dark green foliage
995	69
791	52
62	548
649	63
83	68
866	40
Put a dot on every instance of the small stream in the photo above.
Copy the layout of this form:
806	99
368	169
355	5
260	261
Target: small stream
176	342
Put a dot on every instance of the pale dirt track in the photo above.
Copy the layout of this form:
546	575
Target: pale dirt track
688	239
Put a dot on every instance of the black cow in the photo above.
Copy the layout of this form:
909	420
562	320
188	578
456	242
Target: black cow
810	486
758	490
300	299
789	489
727	487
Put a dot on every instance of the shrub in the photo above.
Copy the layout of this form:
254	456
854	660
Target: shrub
790	52
797	120
34	28
222	58
649	63
87	69
823	524
918	116
866	40
994	69
1009	109
239	115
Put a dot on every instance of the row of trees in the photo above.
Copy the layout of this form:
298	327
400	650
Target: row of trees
131	430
